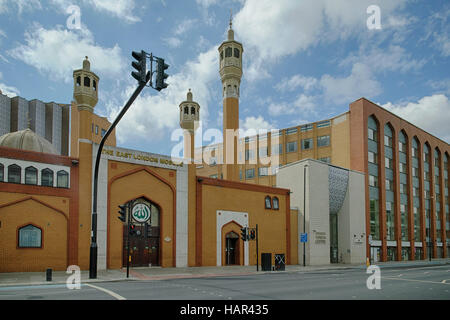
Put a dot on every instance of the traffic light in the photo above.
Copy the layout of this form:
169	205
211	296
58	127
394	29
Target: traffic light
122	213
244	234
132	229
161	76
252	234
140	66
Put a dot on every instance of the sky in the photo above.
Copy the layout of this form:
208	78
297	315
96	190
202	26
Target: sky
303	60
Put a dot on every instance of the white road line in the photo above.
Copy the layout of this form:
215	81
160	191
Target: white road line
413	280
113	294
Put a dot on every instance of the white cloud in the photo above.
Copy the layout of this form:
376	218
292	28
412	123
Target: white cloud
153	115
295	82
274	29
22	5
430	113
57	52
255	123
8	90
360	83
173	42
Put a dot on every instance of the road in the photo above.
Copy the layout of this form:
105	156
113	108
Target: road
420	283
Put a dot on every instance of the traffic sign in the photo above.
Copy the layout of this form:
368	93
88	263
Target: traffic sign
303	237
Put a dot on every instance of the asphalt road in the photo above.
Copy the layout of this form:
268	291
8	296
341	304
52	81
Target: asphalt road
420	283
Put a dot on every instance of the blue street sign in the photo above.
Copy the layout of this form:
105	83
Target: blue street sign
303	237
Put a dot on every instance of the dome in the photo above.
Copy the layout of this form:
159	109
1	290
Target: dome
27	140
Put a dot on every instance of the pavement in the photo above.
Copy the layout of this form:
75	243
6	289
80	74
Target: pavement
158	273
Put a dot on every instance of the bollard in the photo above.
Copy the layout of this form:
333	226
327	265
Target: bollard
49	274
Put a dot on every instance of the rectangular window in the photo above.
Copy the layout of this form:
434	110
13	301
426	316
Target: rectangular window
323	124
372	157
415	172
372	135
401	146
103	132
263	152
402	167
415	192
263	171
389	185
291	131
291	146
306	127
249	173
249	154
374	219
277	149
326	159
414	152
403	188
307	144
388	141
388	163
323	141
373	181
96	129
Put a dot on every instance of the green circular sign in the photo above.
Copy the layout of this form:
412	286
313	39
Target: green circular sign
141	212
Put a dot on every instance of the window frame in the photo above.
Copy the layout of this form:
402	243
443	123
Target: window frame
14	166
19	246
44	171
58	175
268	205
277	201
27	169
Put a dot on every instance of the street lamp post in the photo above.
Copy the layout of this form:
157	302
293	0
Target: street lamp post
304	213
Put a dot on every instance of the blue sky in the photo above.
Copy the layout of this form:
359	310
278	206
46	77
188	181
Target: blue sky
303	60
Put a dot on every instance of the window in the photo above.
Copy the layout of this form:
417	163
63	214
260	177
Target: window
307	144
306	127
186	110
388	163
214	176
263	171
87	82
291	130
372	134
403	188
103	132
30	237
47	178
291	146
1	172
323	141
228	52
193	110
372	157
276	205
94	85
14	173
323	124
236	52
62	180
277	149
263	152
78	81
221	55
373	181
415	172
402	167
268	203
401	146
388	141
96	129
249	154
249	173
416	192
31	175
212	161
326	159
389	185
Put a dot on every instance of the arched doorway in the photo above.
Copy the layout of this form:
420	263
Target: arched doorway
144	240
232	248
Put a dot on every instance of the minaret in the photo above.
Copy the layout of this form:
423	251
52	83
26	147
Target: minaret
189	118
230	52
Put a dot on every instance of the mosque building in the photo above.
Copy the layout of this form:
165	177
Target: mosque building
369	193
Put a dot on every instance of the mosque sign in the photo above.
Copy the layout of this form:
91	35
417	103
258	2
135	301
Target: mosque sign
141	212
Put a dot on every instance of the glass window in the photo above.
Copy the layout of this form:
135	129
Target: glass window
47	178
307	144
323	124
388	163
103	132
326	159
372	134
268	203
277	149
373	181
390	229
291	146
291	130
323	141
263	171
228	52
372	157
31	175
389	185
306	127
388	141
186	110
1	172
374	219
250	173
62	179
14	173
192	110
276	205
402	167
236	52
30	237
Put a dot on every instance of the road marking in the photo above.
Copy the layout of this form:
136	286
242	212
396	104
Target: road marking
400	275
113	294
445	281
413	280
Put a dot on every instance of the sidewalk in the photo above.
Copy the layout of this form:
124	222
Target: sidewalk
157	273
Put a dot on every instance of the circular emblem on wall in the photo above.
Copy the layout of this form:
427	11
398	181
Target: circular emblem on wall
141	212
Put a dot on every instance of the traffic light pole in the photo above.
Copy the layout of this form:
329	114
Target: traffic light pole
257	252
128	239
93	248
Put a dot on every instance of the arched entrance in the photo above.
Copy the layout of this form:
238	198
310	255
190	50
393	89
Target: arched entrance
144	240
232	248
